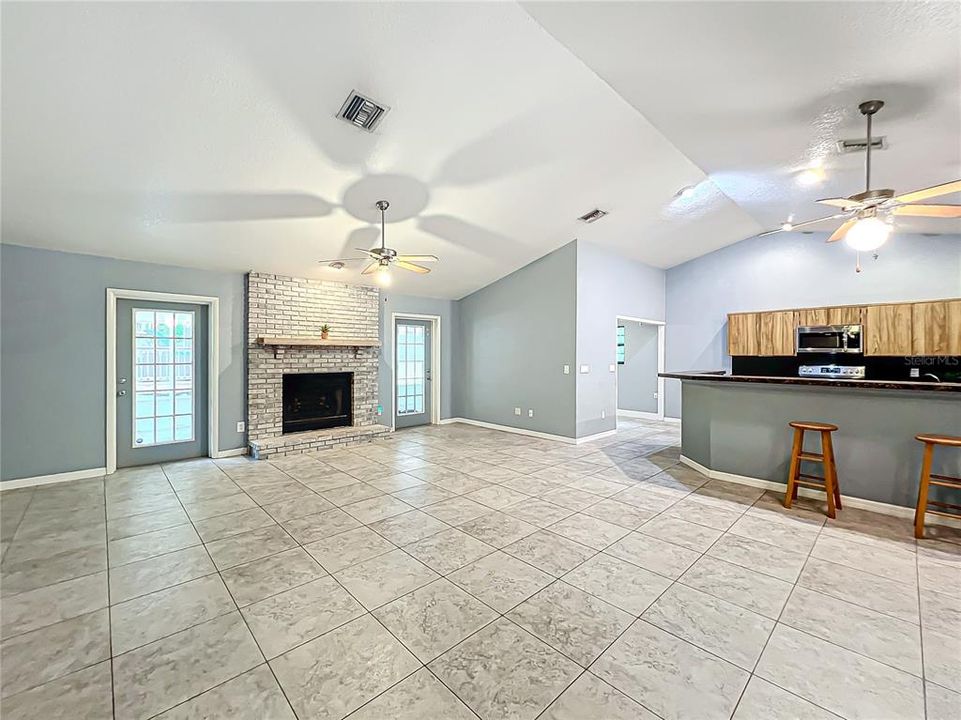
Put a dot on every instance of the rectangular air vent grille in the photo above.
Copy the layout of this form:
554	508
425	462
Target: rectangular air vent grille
360	111
593	216
861	144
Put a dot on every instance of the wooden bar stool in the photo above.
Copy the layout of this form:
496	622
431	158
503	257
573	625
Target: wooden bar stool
928	478
828	483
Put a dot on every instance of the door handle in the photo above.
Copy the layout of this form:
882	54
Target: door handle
121	393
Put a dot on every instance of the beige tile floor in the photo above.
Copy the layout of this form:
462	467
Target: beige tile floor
457	572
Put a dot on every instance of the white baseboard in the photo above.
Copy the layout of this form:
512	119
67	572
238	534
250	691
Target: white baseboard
847	500
639	414
676	421
520	431
595	436
51	479
229	453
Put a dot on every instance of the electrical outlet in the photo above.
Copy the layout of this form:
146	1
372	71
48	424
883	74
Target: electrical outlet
530	413
567	369
517	411
241	426
655	396
613	368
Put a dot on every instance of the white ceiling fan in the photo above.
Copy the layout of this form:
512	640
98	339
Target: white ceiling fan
383	257
869	215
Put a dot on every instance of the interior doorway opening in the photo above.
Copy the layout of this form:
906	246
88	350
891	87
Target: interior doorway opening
640	357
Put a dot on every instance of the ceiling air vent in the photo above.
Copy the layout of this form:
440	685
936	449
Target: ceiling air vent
861	144
360	111
593	216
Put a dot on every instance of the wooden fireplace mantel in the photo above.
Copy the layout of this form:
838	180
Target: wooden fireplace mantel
318	342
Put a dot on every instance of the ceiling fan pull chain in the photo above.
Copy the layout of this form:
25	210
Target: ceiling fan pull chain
857	265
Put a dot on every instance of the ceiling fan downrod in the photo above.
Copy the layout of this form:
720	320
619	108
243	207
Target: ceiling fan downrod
868	108
382	205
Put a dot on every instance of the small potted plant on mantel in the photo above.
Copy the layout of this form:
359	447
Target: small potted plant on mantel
324	331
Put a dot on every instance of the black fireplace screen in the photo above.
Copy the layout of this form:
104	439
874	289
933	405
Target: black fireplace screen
314	401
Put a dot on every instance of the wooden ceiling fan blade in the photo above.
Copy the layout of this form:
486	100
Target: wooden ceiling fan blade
418	258
370	269
936	211
842	231
843	203
412	267
931	192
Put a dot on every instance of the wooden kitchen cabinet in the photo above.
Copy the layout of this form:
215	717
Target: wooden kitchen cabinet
742	334
776	333
887	329
843	315
936	328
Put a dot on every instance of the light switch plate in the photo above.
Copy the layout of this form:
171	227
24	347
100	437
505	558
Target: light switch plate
241	426
585	369
603	414
517	411
613	368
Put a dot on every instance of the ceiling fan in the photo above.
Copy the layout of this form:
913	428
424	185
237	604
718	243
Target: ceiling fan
868	215
383	257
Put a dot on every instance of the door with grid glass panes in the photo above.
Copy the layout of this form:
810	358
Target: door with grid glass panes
161	382
412	381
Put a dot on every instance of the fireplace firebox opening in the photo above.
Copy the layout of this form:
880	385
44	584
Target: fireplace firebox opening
316	401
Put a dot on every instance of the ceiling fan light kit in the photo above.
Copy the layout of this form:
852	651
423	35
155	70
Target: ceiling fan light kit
869	215
383	257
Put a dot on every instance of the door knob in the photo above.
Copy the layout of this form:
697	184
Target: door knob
121	393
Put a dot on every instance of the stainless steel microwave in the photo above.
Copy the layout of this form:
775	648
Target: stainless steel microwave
828	339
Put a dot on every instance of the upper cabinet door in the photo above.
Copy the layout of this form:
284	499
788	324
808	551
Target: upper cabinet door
936	328
888	330
742	334
846	315
776	333
812	317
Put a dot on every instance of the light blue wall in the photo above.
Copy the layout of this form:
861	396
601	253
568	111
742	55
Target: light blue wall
637	377
391	304
608	286
513	339
791	270
53	353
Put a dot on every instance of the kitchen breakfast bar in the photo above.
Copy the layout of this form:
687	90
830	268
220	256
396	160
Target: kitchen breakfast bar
736	427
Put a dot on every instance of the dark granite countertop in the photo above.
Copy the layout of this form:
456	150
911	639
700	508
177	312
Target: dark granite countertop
722	376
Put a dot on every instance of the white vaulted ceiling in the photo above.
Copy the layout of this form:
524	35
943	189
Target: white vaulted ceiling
205	134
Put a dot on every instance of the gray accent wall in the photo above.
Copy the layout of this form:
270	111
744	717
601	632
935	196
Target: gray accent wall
608	286
637	377
790	270
53	353
514	337
391	304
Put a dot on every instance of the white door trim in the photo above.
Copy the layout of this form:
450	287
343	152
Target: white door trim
434	364
213	363
661	325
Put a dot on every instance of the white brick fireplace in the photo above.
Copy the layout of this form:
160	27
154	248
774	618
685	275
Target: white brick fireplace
280	311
